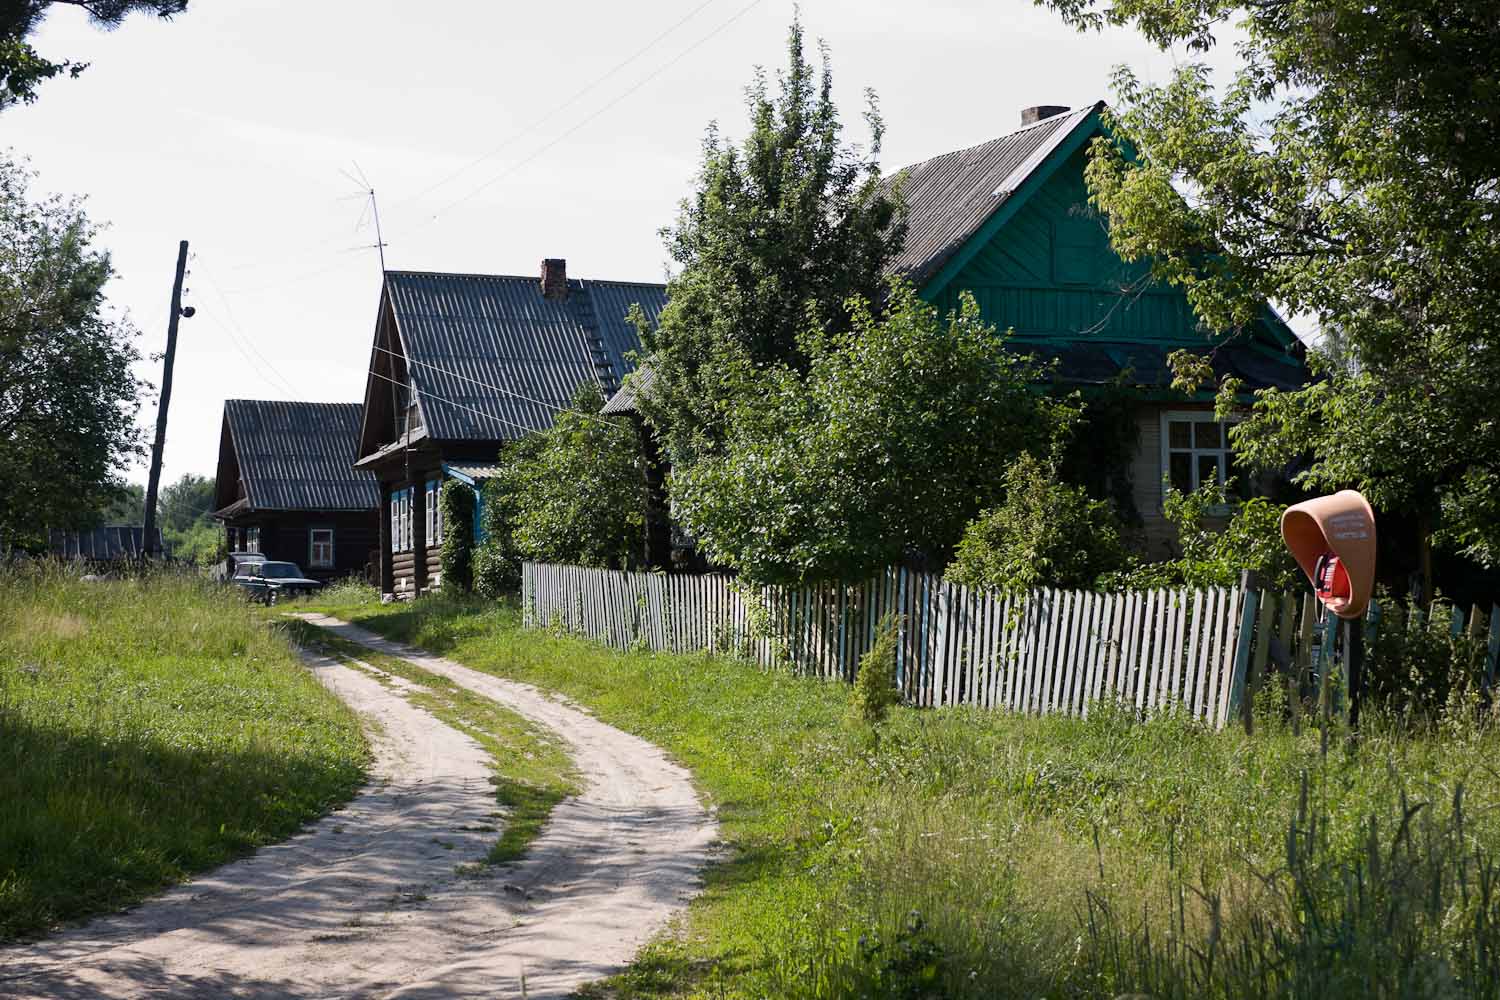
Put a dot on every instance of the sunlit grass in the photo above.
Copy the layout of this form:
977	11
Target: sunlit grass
968	853
149	729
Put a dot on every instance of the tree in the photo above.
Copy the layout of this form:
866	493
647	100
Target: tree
456	502
576	493
22	68
883	451
128	506
68	398
779	234
1348	172
186	502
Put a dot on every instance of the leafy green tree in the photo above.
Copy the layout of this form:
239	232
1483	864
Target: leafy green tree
497	560
187	502
128	505
578	493
1348	172
201	543
1045	533
884	450
68	398
780	232
456	502
22	68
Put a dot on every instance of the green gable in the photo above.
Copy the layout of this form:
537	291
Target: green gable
1037	260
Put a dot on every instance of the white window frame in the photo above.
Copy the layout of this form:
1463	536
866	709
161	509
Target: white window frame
434	522
252	539
312	548
1191	417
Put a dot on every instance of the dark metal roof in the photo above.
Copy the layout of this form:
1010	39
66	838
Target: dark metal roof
491	359
106	542
624	402
299	456
1094	363
949	197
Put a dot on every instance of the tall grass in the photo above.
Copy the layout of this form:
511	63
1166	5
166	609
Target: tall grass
149	728
974	854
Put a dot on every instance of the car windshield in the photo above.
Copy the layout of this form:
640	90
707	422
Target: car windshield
279	571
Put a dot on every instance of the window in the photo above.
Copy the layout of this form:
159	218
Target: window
401	540
1195	450
320	548
434	523
252	539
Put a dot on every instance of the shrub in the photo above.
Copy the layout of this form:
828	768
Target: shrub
1045	533
1416	665
456	502
874	692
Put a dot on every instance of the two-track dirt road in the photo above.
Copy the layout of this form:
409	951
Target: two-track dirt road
383	898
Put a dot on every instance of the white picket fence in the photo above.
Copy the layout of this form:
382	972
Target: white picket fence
1046	651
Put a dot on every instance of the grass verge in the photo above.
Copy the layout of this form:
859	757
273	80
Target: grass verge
149	729
533	771
960	853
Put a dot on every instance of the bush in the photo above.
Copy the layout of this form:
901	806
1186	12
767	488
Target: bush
1045	533
456	502
1416	665
874	692
497	561
1219	539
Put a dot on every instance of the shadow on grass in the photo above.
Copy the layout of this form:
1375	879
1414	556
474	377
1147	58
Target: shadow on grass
91	821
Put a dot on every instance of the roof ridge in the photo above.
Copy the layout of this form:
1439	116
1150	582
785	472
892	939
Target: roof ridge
1051	120
518	277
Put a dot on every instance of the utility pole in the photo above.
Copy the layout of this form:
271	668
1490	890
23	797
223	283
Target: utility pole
148	544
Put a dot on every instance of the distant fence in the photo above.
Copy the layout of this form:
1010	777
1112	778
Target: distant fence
1204	650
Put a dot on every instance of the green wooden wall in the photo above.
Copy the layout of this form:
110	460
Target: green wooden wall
1050	274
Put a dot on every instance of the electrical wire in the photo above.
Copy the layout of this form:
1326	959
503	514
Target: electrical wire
461	406
229	314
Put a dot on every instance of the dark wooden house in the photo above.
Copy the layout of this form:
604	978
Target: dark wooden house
1009	222
286	487
463	363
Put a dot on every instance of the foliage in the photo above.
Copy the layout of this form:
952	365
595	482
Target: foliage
186	502
578	492
67	395
996	828
1104	441
22	68
1416	666
874	692
497	560
780	232
201	543
128	505
1219	538
884	450
1345	173
149	729
1045	533
456	502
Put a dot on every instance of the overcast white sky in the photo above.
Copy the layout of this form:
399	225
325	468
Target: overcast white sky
233	127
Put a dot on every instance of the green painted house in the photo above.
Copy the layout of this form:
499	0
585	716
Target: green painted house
1009	221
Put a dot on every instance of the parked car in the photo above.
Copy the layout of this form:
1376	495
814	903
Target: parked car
269	581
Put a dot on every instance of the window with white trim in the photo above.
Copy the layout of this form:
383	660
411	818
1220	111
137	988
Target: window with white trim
320	548
434	522
252	540
401	540
1195	450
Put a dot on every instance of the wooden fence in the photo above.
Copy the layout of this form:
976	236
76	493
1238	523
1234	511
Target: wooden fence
1049	651
1205	650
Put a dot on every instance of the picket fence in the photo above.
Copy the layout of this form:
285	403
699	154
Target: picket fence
1205	651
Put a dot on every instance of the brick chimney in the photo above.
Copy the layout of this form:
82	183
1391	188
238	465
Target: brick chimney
554	278
1030	116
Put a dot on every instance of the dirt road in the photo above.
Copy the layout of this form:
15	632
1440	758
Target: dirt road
384	898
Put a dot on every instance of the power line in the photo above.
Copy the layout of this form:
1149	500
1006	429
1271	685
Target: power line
285	383
591	118
461	406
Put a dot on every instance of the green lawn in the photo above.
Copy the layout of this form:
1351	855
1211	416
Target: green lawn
148	730
961	853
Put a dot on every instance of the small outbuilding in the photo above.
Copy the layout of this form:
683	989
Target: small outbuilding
286	485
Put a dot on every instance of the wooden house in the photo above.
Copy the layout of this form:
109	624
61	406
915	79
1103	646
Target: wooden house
1009	222
286	487
461	364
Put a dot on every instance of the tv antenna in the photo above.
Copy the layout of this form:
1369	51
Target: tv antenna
367	191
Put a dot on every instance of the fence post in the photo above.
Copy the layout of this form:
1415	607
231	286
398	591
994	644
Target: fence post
1243	639
1493	653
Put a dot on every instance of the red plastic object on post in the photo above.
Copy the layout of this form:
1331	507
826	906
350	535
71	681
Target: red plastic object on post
1333	540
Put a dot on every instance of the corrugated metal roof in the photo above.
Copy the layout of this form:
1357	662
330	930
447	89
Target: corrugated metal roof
623	403
949	197
299	456
106	542
475	470
491	359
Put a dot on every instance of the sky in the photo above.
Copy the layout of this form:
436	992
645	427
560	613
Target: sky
493	134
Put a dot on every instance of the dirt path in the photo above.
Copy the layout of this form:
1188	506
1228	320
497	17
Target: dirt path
381	898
